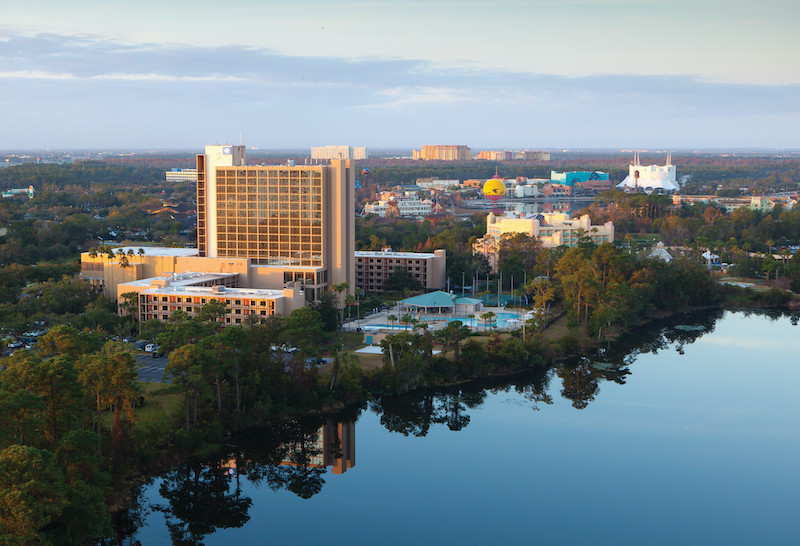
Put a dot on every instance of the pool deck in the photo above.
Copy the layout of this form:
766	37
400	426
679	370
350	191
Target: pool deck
380	320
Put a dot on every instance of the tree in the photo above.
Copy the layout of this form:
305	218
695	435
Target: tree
111	377
184	367
32	494
329	313
55	381
304	329
452	335
401	279
340	288
487	317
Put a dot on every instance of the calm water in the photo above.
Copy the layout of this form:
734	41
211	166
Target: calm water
678	435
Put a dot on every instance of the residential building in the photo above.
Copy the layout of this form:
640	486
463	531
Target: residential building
449	152
375	266
338	152
553	229
181	175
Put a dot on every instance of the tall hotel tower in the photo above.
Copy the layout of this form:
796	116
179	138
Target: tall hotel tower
293	223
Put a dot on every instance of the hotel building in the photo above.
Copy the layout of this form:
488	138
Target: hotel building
553	229
273	226
375	266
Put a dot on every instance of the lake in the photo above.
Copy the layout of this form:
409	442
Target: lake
687	432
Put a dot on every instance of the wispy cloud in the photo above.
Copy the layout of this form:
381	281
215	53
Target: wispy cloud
80	82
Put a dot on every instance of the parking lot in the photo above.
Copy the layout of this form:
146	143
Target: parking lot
152	369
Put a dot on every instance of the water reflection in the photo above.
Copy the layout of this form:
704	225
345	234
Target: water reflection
200	497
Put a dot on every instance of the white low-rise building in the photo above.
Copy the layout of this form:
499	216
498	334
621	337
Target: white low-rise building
181	175
400	205
553	229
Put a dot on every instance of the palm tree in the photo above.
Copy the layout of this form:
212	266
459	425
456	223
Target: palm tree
487	318
392	319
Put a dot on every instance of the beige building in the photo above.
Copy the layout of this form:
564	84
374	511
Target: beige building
292	222
272	226
159	297
374	266
338	152
553	229
449	152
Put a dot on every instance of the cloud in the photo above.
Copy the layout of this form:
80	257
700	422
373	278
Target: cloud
79	83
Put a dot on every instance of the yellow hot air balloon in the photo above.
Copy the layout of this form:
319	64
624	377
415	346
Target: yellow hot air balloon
494	189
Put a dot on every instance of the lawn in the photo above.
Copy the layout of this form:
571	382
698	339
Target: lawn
158	404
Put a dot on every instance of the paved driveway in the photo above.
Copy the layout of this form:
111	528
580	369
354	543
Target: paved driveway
152	369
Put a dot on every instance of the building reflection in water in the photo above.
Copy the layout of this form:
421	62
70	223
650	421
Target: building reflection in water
333	445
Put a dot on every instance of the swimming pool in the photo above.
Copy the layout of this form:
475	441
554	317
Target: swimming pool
500	319
396	326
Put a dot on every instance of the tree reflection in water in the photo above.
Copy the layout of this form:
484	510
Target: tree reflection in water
202	496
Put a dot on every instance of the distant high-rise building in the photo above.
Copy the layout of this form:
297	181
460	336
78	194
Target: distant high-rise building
338	152
450	152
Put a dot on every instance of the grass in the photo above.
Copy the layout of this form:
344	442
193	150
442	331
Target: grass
158	404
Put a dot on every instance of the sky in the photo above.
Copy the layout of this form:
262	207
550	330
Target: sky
507	74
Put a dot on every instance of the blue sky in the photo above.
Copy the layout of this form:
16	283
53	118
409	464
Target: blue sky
510	74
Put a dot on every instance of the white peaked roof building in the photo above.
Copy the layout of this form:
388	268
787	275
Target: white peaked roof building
660	253
650	178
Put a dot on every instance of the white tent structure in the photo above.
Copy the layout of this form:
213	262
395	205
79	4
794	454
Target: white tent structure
650	178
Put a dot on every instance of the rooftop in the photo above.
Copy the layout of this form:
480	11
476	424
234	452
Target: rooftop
392	254
158	251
